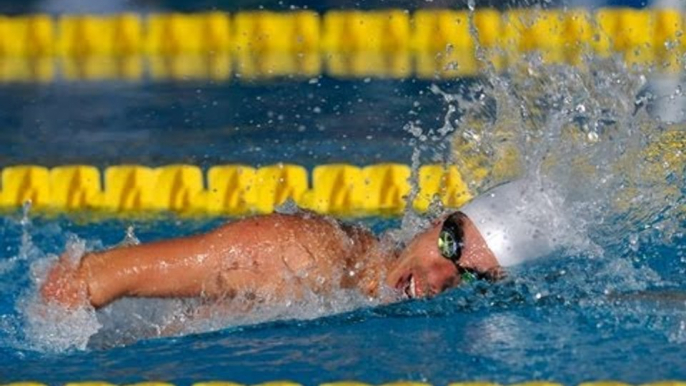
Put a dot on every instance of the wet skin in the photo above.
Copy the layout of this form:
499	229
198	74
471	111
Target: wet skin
266	258
421	270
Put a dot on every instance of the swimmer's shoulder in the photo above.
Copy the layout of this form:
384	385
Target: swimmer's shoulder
306	218
355	239
302	222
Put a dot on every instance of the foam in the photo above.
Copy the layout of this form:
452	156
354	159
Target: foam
50	327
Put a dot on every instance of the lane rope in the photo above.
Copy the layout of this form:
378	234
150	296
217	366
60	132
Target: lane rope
381	43
340	189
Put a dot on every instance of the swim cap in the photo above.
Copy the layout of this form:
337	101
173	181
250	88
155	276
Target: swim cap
515	219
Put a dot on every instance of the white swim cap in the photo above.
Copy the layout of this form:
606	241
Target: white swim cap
515	220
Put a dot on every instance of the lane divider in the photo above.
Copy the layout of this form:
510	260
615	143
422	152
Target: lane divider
224	67
389	43
354	383
390	30
340	189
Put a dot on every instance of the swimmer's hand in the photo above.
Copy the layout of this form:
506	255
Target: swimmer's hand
65	285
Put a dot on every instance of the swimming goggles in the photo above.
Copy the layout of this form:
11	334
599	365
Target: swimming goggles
451	243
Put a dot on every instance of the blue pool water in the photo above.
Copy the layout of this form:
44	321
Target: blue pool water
569	319
302	121
613	307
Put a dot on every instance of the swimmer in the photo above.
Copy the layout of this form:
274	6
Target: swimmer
274	257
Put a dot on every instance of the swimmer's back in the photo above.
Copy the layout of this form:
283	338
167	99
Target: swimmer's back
283	254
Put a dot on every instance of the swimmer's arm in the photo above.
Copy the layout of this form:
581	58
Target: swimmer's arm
182	267
170	268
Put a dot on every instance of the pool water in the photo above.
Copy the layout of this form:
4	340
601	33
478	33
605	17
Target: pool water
572	318
611	307
254	122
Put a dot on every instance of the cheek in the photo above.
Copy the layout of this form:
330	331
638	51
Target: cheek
442	275
407	261
400	268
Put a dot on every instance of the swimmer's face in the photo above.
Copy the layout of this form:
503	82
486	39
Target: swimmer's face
421	270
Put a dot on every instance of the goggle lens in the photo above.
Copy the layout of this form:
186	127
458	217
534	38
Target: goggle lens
448	246
451	242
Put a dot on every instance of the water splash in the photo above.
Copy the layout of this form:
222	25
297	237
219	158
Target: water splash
129	238
585	131
594	137
50	327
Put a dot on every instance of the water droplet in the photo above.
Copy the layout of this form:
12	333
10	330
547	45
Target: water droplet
633	242
451	66
25	210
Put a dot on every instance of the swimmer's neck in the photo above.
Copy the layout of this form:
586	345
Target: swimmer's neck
371	259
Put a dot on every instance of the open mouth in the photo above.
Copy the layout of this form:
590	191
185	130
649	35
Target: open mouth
410	287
